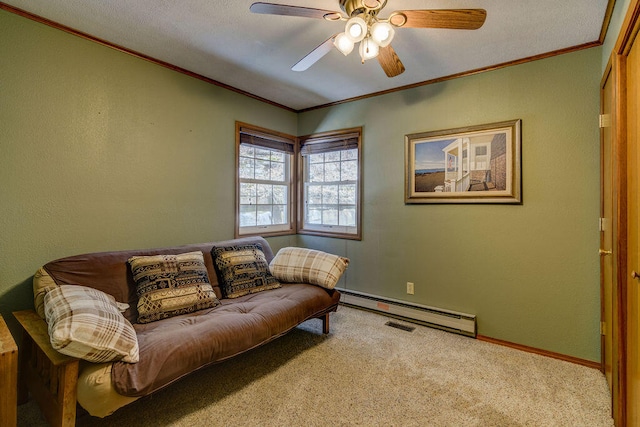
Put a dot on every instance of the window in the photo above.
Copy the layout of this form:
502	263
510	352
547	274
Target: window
264	194
331	184
481	157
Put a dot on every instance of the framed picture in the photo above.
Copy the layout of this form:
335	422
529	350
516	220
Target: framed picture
477	164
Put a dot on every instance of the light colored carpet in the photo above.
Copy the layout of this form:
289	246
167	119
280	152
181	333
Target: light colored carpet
365	373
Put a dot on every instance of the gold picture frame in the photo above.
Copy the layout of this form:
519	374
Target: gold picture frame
476	164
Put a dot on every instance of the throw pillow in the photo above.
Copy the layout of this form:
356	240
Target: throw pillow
170	285
299	265
242	270
87	323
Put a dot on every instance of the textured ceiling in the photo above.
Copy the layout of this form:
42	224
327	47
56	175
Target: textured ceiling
222	40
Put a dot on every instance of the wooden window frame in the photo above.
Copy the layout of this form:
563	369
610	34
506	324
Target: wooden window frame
326	142
270	139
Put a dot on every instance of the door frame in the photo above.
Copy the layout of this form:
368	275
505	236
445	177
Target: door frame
615	71
617	65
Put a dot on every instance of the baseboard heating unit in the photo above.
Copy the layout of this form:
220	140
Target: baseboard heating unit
451	321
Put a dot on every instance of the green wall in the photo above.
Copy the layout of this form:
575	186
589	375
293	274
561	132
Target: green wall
530	272
100	150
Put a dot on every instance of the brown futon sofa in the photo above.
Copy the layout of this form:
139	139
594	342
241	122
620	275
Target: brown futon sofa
166	348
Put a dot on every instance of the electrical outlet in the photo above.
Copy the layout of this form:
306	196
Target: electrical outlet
410	288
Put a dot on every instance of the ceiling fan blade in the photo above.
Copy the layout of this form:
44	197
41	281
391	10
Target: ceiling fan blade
390	62
283	9
460	19
315	55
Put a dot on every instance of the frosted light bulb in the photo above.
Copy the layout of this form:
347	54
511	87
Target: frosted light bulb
382	33
356	29
343	44
368	49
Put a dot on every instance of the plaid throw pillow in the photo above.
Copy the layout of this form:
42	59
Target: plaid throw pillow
242	270
170	285
87	323
299	265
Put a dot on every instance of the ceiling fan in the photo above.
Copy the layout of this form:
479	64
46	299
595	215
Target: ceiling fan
364	26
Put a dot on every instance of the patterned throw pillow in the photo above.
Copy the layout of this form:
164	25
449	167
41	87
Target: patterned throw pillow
299	265
169	285
87	323
242	270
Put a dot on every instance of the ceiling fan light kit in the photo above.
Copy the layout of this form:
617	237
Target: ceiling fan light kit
372	32
372	35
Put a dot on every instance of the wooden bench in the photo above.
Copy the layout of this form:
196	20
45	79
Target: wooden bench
51	377
8	377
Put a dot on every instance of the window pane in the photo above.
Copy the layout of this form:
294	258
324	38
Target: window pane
277	171
332	172
350	170
246	168
264	215
279	214
314	215
330	195
262	169
314	194
316	158
332	156
247	194
330	216
262	153
264	194
316	172
279	194
347	194
348	216
349	154
247	215
277	156
246	150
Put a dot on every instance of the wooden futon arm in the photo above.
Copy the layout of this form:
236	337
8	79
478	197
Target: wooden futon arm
50	376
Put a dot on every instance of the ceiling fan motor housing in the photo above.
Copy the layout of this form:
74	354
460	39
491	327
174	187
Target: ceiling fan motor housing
356	7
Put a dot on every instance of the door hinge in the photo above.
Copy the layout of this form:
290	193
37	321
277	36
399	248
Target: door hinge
604	120
603	328
602	224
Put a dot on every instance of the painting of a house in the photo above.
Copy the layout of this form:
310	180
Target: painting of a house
472	162
476	164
